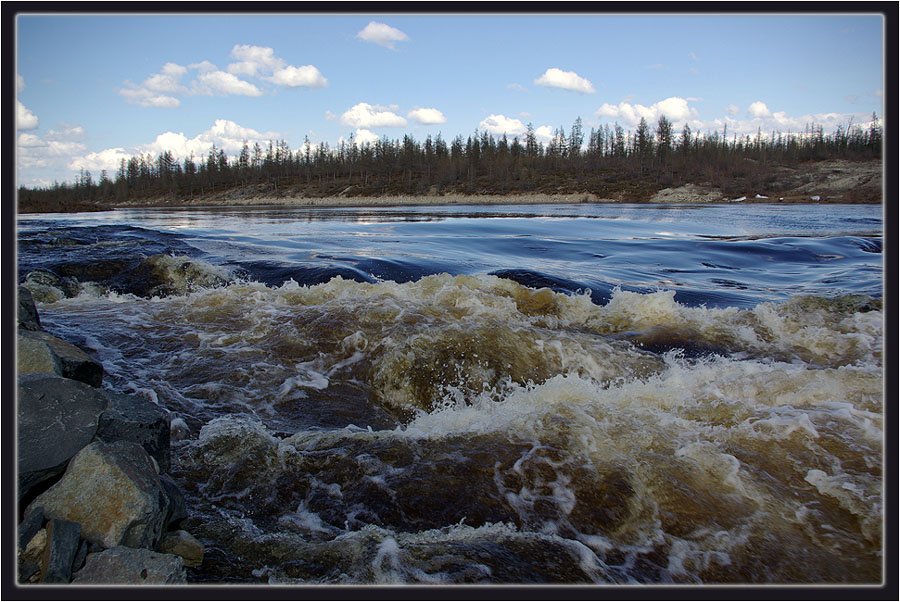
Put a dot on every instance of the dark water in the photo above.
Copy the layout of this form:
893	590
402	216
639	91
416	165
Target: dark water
508	394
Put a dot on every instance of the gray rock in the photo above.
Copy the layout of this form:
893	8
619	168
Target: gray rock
32	523
30	557
114	492
177	504
73	362
50	287
34	356
28	314
80	556
56	418
182	543
131	418
132	566
63	538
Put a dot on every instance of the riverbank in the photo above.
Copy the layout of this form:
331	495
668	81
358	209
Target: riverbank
822	182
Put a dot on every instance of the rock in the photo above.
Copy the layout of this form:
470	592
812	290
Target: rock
35	357
177	505
114	492
30	525
131	418
49	287
30	558
182	543
28	314
73	362
63	538
56	418
80	556
132	566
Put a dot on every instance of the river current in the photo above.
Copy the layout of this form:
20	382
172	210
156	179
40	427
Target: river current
576	394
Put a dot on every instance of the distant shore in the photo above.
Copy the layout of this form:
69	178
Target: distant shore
823	182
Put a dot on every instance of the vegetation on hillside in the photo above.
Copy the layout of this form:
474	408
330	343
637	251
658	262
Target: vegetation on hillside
607	162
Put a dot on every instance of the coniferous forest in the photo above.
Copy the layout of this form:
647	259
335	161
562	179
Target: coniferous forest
608	162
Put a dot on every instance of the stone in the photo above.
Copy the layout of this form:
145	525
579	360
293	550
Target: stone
35	357
177	504
132	566
182	543
28	314
57	417
63	538
135	419
32	522
30	557
73	362
114	492
80	556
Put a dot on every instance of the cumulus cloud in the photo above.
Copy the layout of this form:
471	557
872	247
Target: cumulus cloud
254	60
427	116
674	108
364	115
363	136
307	76
48	156
501	124
381	34
25	119
759	109
158	90
213	83
567	80
544	133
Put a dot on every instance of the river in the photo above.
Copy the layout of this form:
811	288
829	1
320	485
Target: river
576	394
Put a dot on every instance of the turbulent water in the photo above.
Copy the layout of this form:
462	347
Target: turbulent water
519	394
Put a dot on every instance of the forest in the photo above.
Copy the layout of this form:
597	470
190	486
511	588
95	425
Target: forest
607	161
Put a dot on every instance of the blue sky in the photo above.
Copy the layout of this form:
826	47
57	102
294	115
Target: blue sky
95	88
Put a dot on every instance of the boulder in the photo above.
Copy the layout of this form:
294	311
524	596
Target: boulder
28	314
132	566
30	525
135	419
114	492
35	357
73	362
177	504
56	418
182	543
63	538
30	557
49	287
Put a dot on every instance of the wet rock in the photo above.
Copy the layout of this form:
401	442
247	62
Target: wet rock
63	538
30	558
56	418
28	314
114	492
177	505
132	566
131	418
48	287
30	525
35	357
182	543
73	362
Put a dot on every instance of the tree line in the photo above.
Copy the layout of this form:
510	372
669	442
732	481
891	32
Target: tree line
606	160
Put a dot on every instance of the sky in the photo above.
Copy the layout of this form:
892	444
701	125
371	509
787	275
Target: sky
93	88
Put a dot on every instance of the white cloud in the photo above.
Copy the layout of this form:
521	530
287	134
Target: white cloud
29	141
674	108
329	116
253	60
25	119
732	109
501	124
363	136
364	115
158	90
427	116
759	109
20	83
517	87
567	80
214	83
381	34
108	159
544	133
307	76
203	66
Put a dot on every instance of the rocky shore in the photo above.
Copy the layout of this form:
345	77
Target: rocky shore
95	502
